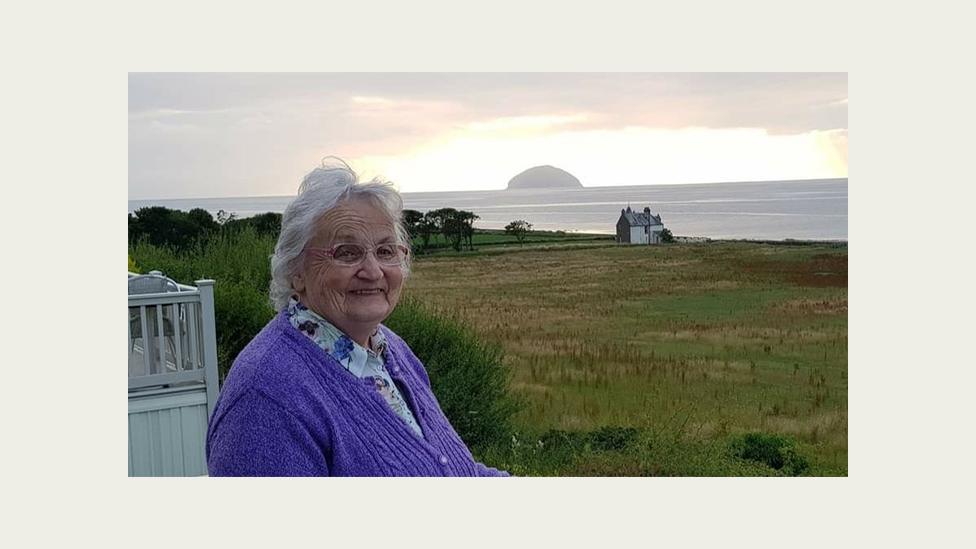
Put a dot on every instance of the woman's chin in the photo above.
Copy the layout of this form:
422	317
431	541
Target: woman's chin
376	311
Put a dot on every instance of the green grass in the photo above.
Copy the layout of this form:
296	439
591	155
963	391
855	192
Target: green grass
492	238
696	344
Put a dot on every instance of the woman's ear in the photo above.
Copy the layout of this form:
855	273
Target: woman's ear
298	282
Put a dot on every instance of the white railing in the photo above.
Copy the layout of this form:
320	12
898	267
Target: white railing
173	340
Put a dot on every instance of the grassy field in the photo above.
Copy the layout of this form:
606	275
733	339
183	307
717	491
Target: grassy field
719	358
495	238
659	359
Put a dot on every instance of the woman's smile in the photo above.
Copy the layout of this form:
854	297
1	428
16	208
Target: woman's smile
368	292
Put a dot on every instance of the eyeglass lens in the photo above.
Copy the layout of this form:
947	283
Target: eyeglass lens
388	254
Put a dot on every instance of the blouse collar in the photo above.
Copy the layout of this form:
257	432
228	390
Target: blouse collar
334	341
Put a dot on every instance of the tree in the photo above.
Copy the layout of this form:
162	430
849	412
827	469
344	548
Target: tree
439	218
427	227
202	218
223	217
268	223
166	227
457	226
411	222
467	226
519	229
453	229
666	236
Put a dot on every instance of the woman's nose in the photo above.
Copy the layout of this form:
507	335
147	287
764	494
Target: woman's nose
370	268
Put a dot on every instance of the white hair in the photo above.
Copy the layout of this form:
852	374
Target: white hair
321	190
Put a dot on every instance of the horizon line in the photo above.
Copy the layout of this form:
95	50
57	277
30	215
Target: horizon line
527	189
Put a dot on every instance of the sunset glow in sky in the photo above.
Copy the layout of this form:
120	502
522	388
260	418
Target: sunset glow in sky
211	135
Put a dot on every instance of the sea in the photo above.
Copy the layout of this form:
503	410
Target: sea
808	209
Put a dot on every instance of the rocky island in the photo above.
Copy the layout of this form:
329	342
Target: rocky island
544	177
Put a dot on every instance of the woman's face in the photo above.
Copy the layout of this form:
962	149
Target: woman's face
353	298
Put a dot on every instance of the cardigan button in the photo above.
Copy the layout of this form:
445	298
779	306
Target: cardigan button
443	460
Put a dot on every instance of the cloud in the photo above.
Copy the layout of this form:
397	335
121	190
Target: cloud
256	134
833	143
151	114
375	101
524	123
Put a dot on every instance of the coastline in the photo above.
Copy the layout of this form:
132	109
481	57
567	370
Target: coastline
806	210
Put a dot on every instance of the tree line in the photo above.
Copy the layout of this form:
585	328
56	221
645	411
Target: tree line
456	226
181	230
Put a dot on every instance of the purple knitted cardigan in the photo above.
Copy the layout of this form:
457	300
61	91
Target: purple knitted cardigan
288	409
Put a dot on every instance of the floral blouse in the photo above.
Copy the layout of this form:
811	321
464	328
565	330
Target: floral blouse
366	364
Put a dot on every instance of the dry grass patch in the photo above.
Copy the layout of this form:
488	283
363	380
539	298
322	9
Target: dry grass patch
835	306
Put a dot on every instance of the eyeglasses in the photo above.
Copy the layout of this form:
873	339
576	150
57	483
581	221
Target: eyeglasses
350	255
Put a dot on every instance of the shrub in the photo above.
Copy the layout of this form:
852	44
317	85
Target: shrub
240	256
467	375
241	311
776	451
612	438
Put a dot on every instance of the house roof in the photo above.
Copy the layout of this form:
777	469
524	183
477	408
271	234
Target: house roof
641	219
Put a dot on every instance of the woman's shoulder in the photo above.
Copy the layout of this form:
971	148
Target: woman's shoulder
271	364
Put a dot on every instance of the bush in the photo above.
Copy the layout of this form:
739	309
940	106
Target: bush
241	312
241	256
612	438
776	451
467	376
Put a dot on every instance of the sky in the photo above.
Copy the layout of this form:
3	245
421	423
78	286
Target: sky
201	135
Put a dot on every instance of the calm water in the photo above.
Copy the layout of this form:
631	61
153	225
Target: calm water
775	210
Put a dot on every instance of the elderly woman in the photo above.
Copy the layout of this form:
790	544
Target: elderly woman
325	388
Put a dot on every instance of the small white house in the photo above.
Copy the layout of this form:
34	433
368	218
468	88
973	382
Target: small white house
639	228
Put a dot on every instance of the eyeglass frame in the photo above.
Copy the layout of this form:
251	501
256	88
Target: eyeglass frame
330	253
